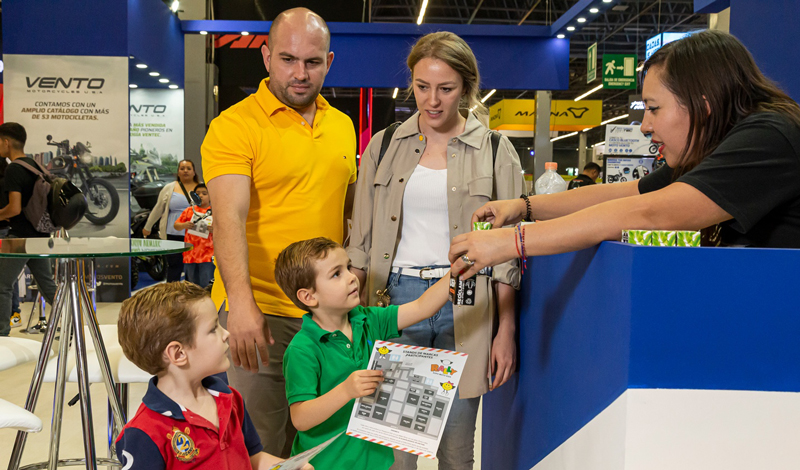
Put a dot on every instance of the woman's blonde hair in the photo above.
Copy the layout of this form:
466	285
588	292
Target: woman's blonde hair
455	52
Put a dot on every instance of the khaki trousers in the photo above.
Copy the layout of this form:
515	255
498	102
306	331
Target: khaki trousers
264	392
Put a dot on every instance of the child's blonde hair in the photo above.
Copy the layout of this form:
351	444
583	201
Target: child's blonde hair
155	317
294	268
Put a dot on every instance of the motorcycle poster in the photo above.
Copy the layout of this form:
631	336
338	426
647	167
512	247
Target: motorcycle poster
156	148
75	112
156	145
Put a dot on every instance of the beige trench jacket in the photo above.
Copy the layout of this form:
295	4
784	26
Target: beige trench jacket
377	219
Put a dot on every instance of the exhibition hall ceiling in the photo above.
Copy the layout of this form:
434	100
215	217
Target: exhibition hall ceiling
623	28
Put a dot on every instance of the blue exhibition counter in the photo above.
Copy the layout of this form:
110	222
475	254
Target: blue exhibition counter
652	357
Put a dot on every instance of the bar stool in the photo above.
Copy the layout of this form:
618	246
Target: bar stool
14	352
17	417
122	369
17	351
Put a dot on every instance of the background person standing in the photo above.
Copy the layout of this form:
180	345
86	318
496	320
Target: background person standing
589	176
172	201
280	166
18	188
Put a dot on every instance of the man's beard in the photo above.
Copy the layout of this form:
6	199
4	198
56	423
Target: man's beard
294	101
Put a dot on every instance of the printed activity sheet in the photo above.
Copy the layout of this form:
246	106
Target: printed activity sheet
409	410
298	461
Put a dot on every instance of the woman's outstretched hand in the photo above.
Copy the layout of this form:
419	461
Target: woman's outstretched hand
501	213
482	248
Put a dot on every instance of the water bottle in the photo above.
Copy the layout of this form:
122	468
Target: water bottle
550	182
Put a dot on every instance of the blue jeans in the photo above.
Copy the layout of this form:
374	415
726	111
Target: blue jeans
15	291
9	270
199	273
457	447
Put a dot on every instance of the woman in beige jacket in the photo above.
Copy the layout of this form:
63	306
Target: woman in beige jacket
437	170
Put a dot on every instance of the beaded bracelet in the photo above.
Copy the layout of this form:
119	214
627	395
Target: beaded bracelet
519	238
528	216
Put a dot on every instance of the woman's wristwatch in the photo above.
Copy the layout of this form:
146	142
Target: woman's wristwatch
527	217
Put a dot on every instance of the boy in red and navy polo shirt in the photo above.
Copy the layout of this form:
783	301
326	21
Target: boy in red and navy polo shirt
188	418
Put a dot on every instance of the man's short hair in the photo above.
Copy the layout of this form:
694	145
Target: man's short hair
294	268
591	166
155	317
15	132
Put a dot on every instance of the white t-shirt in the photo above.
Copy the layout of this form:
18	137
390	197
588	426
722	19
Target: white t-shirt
425	234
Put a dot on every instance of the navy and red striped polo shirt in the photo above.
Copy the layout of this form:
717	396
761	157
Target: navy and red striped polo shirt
165	435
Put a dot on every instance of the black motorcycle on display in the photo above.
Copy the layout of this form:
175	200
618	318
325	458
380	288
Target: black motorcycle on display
154	266
73	163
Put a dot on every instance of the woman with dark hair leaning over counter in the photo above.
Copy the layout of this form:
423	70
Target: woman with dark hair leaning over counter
731	140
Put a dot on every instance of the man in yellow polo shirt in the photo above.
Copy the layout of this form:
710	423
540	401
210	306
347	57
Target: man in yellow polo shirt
280	167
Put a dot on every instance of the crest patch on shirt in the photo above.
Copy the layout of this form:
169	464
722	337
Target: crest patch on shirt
183	445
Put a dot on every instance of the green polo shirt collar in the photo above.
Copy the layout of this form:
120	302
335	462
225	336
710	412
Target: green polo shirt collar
356	317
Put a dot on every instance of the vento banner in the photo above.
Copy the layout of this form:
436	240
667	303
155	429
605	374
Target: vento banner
75	111
156	130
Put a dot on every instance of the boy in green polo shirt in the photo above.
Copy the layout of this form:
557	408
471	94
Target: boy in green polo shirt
325	363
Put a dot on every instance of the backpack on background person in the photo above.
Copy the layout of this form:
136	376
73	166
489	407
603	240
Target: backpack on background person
55	203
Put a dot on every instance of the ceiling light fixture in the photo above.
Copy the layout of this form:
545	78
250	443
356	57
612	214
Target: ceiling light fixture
163	80
422	11
173	87
203	33
599	143
175	5
581	20
394	93
245	33
614	119
141	66
133	85
594	10
563	136
570	28
598	87
560	36
483	100
154	74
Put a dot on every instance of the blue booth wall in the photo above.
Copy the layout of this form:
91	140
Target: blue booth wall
61	27
156	39
596	322
373	54
769	30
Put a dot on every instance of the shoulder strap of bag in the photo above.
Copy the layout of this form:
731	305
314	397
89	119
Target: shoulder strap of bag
40	171
494	139
183	188
387	138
